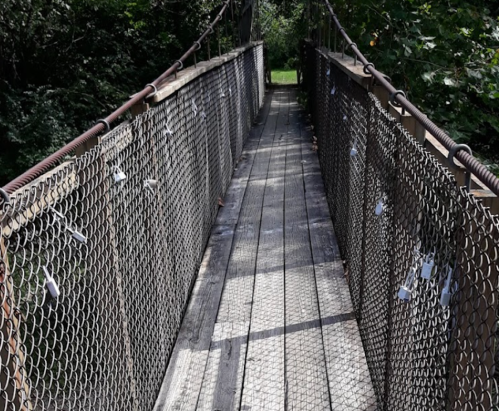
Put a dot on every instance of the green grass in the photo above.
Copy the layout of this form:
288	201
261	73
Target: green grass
282	76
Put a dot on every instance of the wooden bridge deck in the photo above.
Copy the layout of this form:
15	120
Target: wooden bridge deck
270	324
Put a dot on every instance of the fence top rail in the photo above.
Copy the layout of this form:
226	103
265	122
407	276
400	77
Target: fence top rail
104	124
398	97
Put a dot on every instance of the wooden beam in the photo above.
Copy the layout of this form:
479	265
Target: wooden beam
12	355
347	65
413	126
87	146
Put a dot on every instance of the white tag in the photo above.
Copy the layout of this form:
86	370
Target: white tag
333	90
151	185
379	208
445	297
119	176
353	152
59	216
168	131
404	293
446	293
51	284
79	237
427	270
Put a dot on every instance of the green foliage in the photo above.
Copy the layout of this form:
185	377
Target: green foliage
283	27
66	63
444	54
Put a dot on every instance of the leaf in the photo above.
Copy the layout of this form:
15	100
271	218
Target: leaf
428	76
429	46
450	82
407	50
474	73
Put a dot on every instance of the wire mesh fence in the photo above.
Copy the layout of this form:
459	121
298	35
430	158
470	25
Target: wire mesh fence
98	256
421	253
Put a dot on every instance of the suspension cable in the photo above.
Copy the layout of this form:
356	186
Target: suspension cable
100	126
471	163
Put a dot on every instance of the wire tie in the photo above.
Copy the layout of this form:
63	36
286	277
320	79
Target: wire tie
106	124
366	67
155	90
394	95
181	65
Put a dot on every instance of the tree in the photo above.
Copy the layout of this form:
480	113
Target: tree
66	63
445	55
283	27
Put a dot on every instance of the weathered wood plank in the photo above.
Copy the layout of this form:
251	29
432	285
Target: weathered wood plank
222	384
281	335
235	194
264	385
12	356
350	383
183	379
184	376
306	380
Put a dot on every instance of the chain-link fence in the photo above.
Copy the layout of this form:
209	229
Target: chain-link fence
421	253
99	255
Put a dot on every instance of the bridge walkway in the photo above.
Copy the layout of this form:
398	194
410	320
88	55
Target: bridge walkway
270	324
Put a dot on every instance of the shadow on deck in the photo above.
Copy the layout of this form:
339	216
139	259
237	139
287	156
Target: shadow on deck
270	323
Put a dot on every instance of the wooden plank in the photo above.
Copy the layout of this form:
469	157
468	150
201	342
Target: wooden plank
182	383
43	194
350	383
235	194
183	378
347	65
222	384
189	74
87	146
306	382
264	385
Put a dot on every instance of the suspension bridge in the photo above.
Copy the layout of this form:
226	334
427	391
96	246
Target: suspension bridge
224	249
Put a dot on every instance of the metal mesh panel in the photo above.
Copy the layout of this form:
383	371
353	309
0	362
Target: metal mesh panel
121	230
401	220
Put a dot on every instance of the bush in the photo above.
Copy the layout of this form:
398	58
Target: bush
445	55
66	63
